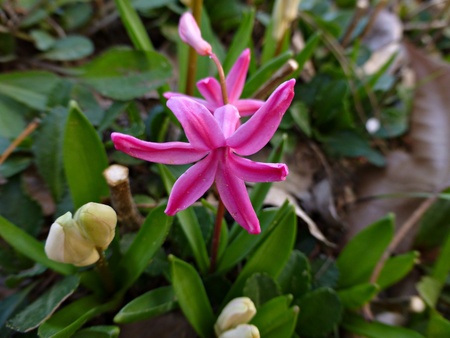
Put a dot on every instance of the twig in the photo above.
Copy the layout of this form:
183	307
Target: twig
419	26
373	17
288	68
118	181
27	131
361	9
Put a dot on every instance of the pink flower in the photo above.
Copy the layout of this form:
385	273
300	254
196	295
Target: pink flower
190	34
217	142
235	80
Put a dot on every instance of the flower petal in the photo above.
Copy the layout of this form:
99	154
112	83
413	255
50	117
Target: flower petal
228	119
253	135
200	126
234	195
192	184
236	77
211	91
190	34
167	153
208	105
251	171
248	107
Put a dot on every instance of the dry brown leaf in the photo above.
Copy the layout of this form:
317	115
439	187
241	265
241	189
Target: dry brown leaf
426	167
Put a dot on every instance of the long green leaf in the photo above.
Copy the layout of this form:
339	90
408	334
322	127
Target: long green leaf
149	239
192	297
306	53
189	224
84	159
358	295
396	268
30	247
133	24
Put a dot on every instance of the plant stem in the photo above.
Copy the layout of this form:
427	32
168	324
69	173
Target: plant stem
223	83
216	235
192	56
104	272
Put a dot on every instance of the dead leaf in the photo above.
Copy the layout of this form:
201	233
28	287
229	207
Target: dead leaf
425	168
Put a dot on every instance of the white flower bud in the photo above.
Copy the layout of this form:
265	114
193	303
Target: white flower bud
239	311
284	12
373	125
97	223
242	331
67	245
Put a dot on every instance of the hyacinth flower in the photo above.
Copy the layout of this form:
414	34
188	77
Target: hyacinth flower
209	87
217	143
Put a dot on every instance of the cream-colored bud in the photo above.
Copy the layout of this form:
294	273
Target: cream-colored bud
242	331
66	244
97	222
239	311
284	12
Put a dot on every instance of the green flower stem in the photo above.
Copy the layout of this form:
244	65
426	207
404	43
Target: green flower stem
192	56
104	272
223	84
216	235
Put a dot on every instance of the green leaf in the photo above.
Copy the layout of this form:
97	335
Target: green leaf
192	297
261	288
12	120
67	321
396	268
189	224
275	319
315	319
429	289
441	267
32	88
10	303
271	256
358	295
147	305
30	247
306	52
240	40
295	278
14	165
69	48
355	262
264	73
84	159
133	24
438	326
48	150
359	326
104	331
124	74
300	115
149	239
42	308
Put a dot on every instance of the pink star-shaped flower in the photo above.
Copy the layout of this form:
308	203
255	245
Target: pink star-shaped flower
217	142
235	80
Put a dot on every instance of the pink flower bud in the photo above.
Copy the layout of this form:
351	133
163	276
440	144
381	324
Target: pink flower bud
190	34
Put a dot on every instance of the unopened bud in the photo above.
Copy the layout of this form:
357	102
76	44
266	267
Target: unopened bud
239	311
284	12
242	331
97	222
66	244
190	34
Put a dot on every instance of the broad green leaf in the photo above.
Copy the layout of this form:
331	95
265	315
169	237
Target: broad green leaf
30	247
10	303
355	262
315	318
441	267
147	242
88	103
84	159
244	242
189	224
14	165
300	115
150	304
69	48
133	24
104	331
438	326
192	297
240	40
358	325
64	323
124	74
275	319
396	268
271	255
295	278
48	150
12	121
261	288
358	295
31	88
264	73
76	15
43	307
434	226
429	289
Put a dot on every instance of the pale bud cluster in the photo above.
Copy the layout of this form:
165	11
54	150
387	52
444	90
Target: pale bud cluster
78	240
284	12
232	321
